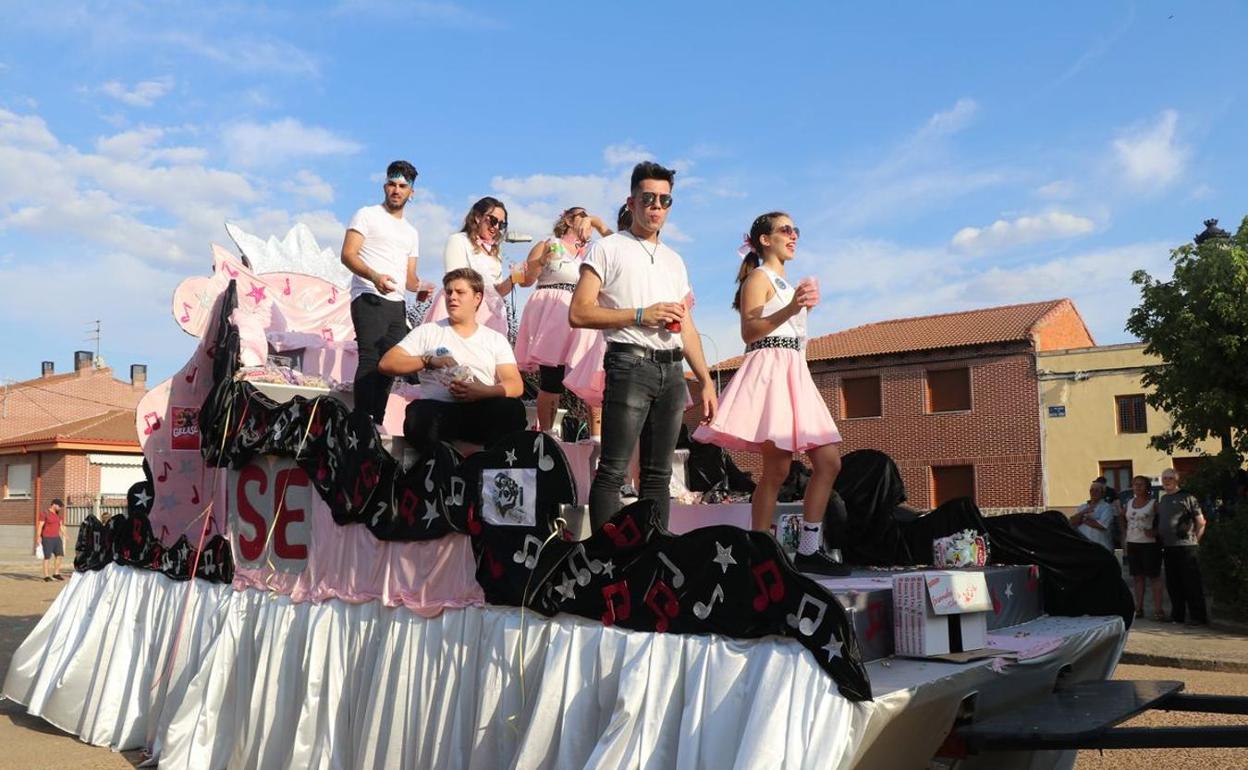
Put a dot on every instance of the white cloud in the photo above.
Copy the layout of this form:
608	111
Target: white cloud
625	154
254	144
1057	189
245	53
952	120
1006	234
1151	157
26	131
309	186
145	93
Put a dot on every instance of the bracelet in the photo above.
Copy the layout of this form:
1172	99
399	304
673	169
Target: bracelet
639	312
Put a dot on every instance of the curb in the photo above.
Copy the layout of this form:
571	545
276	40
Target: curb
1191	664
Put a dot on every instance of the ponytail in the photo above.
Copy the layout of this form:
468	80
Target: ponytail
751	261
751	250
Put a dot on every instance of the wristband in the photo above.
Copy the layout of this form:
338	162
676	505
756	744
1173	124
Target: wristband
639	312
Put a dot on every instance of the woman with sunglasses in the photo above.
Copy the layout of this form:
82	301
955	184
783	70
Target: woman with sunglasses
771	405
478	246
545	339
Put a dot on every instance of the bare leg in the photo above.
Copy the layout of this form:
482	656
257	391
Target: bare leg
56	569
547	408
47	566
825	464
763	502
595	421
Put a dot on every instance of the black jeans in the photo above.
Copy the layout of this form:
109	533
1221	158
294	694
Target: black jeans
475	422
1184	584
641	401
379	324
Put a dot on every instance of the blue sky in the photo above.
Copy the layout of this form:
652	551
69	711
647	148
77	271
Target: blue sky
937	156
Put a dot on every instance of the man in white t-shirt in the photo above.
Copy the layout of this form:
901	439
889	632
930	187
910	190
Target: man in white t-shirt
470	385
380	249
636	289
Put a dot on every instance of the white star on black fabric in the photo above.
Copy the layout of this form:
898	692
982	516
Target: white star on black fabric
723	557
142	498
567	587
511	457
833	648
352	441
431	513
608	568
1009	590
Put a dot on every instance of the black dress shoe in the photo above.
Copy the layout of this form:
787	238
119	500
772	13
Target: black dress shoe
819	563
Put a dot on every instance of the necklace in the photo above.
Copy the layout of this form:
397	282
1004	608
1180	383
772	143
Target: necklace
649	253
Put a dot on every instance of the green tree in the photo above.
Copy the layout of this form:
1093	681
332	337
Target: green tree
1197	323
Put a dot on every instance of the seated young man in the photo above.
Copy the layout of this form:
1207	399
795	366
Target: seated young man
469	384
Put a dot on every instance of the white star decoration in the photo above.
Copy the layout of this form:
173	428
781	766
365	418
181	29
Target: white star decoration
205	299
511	457
723	557
1009	590
566	587
142	498
608	568
352	441
431	513
833	648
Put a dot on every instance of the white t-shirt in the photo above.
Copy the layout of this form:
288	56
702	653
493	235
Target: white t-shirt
1140	519
1103	513
388	243
635	274
482	353
459	253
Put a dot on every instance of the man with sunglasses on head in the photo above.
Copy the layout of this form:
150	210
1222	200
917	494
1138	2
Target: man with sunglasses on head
636	289
380	249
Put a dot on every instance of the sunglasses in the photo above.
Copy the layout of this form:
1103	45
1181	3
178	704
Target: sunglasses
495	222
789	230
664	199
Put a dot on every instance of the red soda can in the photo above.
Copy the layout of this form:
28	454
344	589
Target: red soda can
672	326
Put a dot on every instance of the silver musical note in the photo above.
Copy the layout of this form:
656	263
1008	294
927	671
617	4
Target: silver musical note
678	577
429	475
209	562
807	626
582	574
703	611
456	497
544	461
529	559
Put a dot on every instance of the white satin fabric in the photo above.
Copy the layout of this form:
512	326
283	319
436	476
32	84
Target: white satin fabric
258	681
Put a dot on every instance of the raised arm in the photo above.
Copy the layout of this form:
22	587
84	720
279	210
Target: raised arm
533	263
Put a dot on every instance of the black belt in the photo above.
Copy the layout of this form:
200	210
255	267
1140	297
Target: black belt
670	356
559	286
790	343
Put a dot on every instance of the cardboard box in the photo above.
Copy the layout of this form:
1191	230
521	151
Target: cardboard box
937	613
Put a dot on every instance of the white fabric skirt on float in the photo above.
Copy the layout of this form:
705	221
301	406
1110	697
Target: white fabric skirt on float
261	682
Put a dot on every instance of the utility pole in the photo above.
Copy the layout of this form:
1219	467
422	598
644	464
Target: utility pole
93	335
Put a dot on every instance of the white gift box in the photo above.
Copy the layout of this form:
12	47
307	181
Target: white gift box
942	612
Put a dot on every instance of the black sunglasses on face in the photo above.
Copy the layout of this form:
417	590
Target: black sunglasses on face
495	222
789	230
664	199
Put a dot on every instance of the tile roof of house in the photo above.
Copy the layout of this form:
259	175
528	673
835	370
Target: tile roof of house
1008	323
114	426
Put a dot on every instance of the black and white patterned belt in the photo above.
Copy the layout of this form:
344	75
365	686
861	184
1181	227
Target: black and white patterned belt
790	343
559	286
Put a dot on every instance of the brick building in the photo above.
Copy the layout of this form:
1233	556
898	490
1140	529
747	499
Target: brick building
952	398
70	436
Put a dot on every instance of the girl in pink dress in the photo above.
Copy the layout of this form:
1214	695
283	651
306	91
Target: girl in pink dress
545	339
771	406
478	245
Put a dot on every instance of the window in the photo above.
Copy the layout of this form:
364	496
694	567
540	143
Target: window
17	483
950	482
1117	474
1131	414
860	397
948	390
1188	467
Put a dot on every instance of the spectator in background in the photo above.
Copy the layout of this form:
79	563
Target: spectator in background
1180	525
1139	522
48	533
1095	518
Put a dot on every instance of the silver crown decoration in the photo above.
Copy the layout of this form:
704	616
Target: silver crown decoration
297	252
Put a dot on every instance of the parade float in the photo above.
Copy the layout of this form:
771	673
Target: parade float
292	588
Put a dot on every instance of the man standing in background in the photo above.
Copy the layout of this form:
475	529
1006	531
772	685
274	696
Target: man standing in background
380	249
1180	525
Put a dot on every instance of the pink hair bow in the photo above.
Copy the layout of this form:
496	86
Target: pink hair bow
746	247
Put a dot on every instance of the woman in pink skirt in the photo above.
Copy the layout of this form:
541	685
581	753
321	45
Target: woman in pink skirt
478	245
545	339
772	406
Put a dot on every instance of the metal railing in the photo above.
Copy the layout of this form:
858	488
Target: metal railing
101	507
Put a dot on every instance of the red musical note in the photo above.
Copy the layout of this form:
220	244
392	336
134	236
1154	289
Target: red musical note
164	472
186	313
232	272
492	564
767	594
662	600
996	601
286	290
626	534
334	296
875	619
474	526
153	423
407	507
619	604
1033	578
194	372
136	530
194	495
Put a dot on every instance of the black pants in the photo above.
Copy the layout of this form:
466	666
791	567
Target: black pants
642	403
1183	583
477	422
379	324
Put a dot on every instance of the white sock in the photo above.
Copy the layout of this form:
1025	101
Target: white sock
808	543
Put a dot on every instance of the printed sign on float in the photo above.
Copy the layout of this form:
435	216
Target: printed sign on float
185	427
935	613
